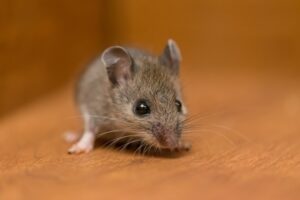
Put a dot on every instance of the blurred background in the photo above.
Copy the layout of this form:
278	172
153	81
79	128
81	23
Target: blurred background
44	44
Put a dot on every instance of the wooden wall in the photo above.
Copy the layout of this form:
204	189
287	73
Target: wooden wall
42	43
214	33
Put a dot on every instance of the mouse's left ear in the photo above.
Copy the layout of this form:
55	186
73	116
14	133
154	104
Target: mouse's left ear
118	64
171	56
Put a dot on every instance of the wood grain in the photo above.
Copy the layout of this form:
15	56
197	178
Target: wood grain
245	146
240	78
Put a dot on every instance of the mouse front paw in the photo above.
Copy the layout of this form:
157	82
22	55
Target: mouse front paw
184	146
84	145
80	148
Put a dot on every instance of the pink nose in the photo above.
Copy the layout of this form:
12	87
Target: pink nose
165	136
170	142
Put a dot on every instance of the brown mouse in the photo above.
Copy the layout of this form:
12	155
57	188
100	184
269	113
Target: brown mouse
127	94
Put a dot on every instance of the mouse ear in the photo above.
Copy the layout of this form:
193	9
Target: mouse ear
171	56
118	64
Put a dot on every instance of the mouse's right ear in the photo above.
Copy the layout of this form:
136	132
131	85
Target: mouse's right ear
118	64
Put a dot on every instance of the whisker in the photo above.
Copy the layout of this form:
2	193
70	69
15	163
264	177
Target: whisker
233	131
123	130
217	133
199	116
104	133
190	129
128	143
116	140
138	149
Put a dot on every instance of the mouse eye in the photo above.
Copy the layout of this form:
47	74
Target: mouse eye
178	105
141	108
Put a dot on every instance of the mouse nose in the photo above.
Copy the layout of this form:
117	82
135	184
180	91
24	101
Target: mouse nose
165	136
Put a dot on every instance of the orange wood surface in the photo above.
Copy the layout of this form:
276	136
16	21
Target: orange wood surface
241	83
246	145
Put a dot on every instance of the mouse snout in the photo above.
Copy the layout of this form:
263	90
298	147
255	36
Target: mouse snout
166	137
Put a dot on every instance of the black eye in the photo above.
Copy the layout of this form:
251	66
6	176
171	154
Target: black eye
178	105
141	108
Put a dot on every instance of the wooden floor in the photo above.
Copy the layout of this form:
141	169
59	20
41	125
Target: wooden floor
246	145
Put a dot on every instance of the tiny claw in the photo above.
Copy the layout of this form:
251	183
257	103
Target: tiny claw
84	145
80	148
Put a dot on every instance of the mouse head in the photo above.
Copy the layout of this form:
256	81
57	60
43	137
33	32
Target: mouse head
146	93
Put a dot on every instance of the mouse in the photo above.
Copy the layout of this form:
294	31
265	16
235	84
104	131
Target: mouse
127	94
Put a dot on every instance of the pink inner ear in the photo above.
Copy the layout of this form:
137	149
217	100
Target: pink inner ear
122	71
118	63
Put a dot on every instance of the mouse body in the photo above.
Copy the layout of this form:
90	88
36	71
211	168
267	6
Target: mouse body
128	94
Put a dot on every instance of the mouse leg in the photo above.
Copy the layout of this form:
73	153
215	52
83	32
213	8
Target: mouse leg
87	140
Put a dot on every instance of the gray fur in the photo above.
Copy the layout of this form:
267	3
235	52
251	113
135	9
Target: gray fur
112	105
